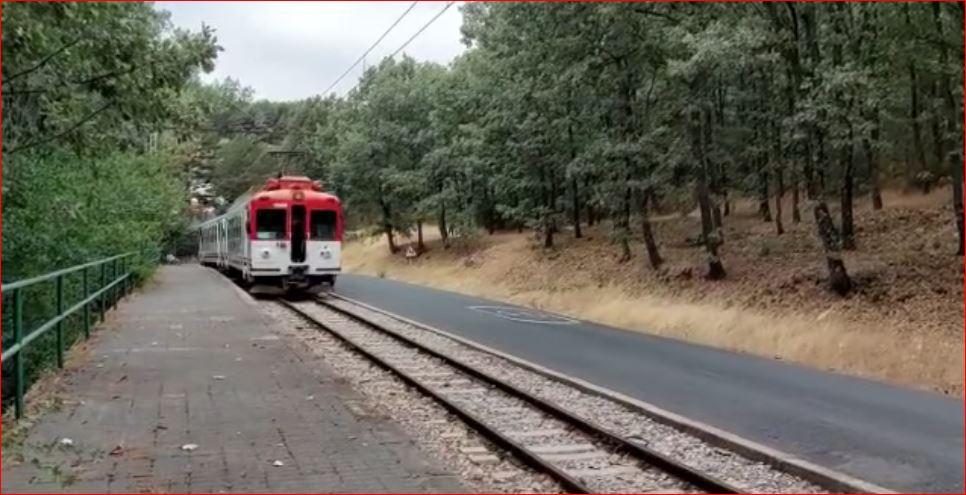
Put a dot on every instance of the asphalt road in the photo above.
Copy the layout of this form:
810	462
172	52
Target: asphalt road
906	440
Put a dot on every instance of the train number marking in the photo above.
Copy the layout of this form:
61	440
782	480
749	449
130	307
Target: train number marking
525	315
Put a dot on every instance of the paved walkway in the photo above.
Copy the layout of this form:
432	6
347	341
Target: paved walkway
192	361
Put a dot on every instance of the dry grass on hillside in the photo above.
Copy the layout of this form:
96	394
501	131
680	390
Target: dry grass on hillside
903	323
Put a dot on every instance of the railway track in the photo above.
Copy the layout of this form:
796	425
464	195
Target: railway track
584	457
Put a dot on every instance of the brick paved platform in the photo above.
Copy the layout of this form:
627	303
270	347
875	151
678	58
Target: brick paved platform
190	360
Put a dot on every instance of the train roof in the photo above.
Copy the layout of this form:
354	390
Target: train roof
280	189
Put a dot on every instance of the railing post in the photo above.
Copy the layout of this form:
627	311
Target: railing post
122	290
60	324
115	290
18	357
102	298
87	306
124	287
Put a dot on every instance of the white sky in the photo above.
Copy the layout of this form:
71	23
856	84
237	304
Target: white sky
293	50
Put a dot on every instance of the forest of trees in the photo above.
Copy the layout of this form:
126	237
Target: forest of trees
570	114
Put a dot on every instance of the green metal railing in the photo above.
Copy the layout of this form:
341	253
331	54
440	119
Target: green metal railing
115	281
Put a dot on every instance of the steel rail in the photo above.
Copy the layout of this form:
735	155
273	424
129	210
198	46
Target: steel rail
828	479
651	457
571	484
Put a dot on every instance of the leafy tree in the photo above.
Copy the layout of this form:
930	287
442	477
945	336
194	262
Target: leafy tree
87	90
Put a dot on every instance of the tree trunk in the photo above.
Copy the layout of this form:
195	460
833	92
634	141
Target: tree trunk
419	236
624	226
793	78
443	230
779	195
873	162
764	211
392	244
846	152
489	221
920	154
627	91
717	216
552	203
649	244
714	173
848	191
870	141
822	164
387	226
716	269
779	161
956	163
914	110
935	123
953	119
545	221
576	208
808	170
814	164
573	181
838	277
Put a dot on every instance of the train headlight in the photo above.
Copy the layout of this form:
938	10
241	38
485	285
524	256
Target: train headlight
266	254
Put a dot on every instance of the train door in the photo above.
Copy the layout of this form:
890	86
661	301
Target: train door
246	243
269	251
298	234
324	248
223	244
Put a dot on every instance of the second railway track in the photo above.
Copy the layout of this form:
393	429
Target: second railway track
582	456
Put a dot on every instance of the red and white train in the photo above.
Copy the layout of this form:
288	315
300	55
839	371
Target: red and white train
286	236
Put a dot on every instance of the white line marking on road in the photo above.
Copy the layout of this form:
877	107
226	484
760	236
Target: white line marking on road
525	315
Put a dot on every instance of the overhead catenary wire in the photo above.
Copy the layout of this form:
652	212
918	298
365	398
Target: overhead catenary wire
411	38
376	43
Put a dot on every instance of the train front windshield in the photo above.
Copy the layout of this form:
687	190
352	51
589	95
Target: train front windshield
323	225
270	224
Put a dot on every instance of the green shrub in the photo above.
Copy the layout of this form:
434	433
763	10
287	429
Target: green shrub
60	210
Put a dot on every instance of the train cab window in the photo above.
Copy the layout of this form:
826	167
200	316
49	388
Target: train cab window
270	224
322	225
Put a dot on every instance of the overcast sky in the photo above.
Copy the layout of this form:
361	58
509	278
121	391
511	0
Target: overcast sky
293	50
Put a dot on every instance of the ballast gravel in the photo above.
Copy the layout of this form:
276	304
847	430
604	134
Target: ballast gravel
749	475
573	451
434	430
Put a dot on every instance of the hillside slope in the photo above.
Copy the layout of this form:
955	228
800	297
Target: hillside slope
903	323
